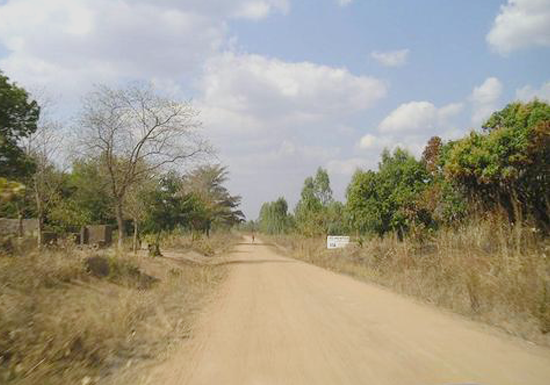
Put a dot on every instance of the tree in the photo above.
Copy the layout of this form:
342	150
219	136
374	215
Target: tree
135	133
431	155
18	119
134	203
165	207
311	210
274	217
364	204
387	200
508	164
9	189
444	201
87	194
42	147
205	185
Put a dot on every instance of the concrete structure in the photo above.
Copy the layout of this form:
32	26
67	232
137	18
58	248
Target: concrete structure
11	226
96	235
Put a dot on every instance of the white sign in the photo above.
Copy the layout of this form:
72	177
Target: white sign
337	241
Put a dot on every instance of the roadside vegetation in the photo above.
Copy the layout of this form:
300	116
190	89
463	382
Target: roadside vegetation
77	316
138	163
465	227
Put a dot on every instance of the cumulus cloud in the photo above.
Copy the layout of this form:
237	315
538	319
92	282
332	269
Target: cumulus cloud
409	116
347	166
396	58
415	115
410	125
528	93
70	44
275	90
520	24
484	99
273	121
266	114
367	141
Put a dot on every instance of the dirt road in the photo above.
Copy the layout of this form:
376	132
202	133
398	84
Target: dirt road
280	321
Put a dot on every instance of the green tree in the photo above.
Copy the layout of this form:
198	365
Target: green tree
311	212
387	200
445	202
18	119
10	190
86	197
165	205
507	165
206	185
274	217
364	203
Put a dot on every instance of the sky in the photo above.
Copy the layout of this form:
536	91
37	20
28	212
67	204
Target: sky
287	86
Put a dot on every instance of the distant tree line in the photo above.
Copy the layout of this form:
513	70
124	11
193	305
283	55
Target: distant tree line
503	167
139	163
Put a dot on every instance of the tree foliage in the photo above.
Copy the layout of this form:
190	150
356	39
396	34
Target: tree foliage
508	164
386	200
317	213
205	187
18	119
274	217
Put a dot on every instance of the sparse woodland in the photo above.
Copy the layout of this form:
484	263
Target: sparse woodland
140	163
465	227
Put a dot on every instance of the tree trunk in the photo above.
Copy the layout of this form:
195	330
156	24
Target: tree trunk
19	223
40	236
39	214
120	224
135	239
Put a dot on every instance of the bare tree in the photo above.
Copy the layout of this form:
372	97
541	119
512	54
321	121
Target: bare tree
44	147
136	132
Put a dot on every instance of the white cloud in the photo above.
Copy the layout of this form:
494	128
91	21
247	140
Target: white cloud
449	111
347	166
409	116
275	90
257	10
520	24
485	98
367	141
279	119
409	126
528	93
70	44
396	58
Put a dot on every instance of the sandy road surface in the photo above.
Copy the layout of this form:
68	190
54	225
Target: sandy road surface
280	321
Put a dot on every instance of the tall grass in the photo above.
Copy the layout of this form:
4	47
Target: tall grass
487	269
64	318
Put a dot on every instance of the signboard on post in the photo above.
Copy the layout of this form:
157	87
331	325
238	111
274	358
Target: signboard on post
337	241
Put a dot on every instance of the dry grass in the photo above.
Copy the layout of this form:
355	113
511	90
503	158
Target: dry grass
64	318
488	271
217	244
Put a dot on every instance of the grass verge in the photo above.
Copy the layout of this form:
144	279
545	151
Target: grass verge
73	316
488	271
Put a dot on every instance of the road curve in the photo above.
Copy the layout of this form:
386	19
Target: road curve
280	321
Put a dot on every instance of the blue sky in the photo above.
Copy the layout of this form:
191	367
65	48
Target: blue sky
285	86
